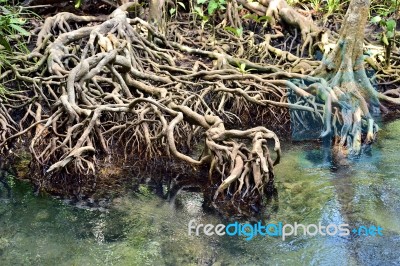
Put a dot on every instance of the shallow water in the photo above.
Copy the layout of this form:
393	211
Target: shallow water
145	230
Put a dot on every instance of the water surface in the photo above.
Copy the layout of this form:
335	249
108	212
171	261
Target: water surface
145	230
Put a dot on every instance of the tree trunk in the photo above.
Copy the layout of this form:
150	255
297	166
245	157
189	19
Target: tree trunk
156	11
349	87
347	60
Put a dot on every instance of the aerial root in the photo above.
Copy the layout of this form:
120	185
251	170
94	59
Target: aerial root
105	91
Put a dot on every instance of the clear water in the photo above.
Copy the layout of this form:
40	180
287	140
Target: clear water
144	230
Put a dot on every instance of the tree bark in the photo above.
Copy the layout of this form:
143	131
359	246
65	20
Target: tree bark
346	61
349	87
156	11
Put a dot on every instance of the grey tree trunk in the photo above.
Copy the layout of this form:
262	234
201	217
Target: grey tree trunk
156	14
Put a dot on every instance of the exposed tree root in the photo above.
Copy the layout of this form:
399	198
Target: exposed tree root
100	88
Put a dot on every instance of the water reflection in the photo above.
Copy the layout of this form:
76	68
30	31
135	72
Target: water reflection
143	229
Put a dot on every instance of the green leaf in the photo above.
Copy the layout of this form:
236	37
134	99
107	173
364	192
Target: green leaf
243	67
390	25
385	39
251	16
5	43
20	30
172	11
200	2
78	3
19	21
5	10
231	29
204	20
199	11
265	18
222	2
134	7
182	5
390	34
376	19
212	6
239	31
